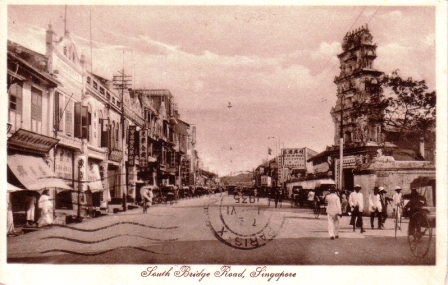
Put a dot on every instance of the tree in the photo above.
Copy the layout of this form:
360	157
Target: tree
408	109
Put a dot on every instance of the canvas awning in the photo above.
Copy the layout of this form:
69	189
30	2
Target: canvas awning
94	183
12	188
34	173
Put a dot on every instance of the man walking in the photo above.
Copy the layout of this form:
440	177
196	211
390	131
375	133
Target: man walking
397	202
333	213
375	207
147	195
385	200
356	202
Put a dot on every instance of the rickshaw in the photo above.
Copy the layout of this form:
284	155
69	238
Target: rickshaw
420	230
319	202
184	192
168	194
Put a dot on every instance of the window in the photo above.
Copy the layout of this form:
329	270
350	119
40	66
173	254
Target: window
36	110
107	95
15	106
117	132
102	90
69	119
95	85
112	136
113	100
89	123
88	79
81	121
58	111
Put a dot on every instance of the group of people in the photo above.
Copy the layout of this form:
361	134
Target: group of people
378	205
44	204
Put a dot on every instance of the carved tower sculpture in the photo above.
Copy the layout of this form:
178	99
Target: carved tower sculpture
356	80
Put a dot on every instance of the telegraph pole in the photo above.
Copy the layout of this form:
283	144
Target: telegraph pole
121	83
341	144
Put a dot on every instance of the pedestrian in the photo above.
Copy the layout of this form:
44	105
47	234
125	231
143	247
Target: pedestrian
385	201
375	207
397	203
147	195
10	231
333	213
344	204
310	197
416	201
46	209
30	202
278	196
356	201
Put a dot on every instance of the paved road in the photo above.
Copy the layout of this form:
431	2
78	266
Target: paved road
188	232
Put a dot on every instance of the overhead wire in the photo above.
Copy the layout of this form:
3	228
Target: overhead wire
354	22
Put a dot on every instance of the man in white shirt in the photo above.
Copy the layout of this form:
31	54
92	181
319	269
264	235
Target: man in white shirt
397	202
147	195
333	213
375	207
356	201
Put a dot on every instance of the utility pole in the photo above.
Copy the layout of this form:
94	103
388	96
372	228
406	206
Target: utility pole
122	82
341	144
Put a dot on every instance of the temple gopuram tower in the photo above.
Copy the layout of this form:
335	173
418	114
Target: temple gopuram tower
356	80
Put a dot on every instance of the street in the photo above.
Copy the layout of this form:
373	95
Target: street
183	233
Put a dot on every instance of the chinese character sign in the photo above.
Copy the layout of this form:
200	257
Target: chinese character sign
294	158
143	148
131	145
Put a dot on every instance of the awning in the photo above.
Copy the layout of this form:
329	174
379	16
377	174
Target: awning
32	142
34	173
12	188
94	183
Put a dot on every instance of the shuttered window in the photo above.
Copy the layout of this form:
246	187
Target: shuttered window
36	110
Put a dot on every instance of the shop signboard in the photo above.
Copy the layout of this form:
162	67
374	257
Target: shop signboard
23	139
293	158
143	148
266	181
132	152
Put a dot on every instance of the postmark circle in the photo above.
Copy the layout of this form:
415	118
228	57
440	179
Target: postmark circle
243	222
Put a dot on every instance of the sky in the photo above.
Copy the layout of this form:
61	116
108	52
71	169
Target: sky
274	64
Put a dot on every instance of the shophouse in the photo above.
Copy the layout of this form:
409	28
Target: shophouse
165	148
31	154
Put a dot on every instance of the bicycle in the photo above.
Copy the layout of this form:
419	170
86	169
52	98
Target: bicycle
146	205
397	219
316	209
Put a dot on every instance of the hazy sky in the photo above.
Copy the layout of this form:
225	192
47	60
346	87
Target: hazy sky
275	64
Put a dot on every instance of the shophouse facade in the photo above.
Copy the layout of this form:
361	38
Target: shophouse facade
31	142
100	138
